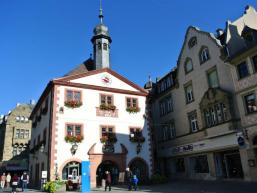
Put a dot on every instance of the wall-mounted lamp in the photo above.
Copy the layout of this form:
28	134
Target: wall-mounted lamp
42	149
61	110
74	148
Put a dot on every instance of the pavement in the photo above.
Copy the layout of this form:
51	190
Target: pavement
184	186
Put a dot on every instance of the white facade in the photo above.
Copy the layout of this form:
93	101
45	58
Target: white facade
91	86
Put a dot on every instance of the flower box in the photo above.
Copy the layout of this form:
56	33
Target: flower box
111	138
137	138
133	109
72	139
107	107
73	103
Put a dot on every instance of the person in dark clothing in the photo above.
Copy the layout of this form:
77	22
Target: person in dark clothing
15	181
24	181
129	178
108	180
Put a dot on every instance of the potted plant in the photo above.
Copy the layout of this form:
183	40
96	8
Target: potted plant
72	103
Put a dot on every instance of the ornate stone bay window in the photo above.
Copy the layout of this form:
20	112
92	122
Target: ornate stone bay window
215	107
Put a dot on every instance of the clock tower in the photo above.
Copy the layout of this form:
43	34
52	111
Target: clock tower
101	44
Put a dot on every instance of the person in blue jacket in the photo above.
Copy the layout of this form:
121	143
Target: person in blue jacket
135	182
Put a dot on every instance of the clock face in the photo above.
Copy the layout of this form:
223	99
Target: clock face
106	80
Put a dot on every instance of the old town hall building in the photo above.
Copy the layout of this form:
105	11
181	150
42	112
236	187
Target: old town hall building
91	114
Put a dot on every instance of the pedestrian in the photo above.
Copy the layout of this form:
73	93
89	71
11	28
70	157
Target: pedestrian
8	180
24	181
15	181
128	178
3	180
135	182
108	180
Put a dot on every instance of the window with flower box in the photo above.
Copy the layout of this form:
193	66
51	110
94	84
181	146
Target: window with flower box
73	98
136	135
74	133
108	134
132	105
106	102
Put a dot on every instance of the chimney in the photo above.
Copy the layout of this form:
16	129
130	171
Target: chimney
32	102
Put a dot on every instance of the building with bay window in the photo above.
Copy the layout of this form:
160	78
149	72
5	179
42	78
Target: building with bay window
91	114
241	53
15	132
210	131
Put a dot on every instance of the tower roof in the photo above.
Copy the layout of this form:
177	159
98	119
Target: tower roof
101	30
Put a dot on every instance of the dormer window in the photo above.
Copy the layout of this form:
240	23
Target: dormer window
192	42
188	66
204	55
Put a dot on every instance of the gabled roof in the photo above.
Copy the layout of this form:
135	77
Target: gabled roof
86	66
210	35
68	78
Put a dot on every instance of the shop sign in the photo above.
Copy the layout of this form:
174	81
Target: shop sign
184	148
44	174
240	141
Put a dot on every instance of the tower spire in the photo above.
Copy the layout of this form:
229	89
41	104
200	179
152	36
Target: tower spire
101	16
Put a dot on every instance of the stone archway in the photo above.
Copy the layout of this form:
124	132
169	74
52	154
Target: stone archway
139	167
110	166
97	158
65	163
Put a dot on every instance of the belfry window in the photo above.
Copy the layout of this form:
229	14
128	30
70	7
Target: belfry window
99	45
105	46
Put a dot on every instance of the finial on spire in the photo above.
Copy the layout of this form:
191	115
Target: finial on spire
101	16
149	78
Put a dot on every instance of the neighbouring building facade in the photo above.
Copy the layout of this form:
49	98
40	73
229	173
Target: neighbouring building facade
91	114
241	46
205	107
15	131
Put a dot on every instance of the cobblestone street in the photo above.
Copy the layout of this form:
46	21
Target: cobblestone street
187	187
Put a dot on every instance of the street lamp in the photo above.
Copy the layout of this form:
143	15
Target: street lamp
74	148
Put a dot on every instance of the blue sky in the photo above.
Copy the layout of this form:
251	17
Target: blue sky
44	39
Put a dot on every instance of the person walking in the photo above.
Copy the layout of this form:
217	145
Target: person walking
24	181
3	180
135	182
15	182
128	178
108	180
8	180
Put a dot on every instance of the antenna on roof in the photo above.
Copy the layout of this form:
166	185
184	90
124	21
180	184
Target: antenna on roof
101	16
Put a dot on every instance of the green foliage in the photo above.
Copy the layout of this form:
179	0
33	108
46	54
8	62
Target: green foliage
50	187
158	179
59	183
